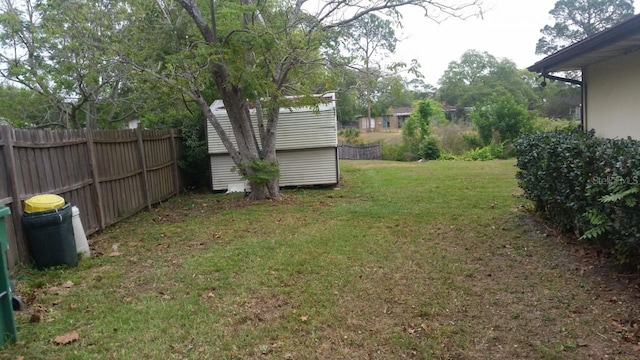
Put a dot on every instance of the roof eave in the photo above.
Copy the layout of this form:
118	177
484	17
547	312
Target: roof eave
557	61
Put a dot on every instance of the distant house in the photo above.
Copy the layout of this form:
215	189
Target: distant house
306	146
390	122
610	65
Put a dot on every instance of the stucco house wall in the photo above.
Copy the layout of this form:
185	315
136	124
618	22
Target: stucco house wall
610	65
613	97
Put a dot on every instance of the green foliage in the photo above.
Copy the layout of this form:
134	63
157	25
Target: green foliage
446	156
557	100
415	131
259	171
489	152
390	91
477	77
401	152
485	153
452	137
472	139
21	107
501	120
599	223
69	53
350	135
576	20
429	148
544	124
586	185
195	159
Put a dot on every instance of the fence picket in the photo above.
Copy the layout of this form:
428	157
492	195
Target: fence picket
109	174
372	151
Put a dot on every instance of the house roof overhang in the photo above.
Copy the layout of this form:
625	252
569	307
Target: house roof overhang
618	40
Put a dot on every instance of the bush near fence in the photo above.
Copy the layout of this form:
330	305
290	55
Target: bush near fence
585	185
108	174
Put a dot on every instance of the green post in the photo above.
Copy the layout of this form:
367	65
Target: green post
8	332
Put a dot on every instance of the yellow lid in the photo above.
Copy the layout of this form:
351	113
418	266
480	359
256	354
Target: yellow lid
43	203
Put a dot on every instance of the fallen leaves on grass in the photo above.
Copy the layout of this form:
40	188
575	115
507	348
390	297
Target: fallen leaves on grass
67	338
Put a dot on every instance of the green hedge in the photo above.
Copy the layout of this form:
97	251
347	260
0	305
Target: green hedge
586	185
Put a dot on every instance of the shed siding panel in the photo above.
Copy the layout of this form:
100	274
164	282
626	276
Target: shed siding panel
612	97
214	144
299	167
303	130
221	174
308	167
296	130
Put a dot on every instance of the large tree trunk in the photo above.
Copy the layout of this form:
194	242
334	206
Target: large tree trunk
247	149
270	190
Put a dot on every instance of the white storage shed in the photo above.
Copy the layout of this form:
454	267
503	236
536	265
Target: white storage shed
306	146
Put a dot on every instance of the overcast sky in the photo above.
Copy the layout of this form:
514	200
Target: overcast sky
509	29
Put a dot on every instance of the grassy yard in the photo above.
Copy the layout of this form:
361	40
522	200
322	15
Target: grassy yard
390	138
436	260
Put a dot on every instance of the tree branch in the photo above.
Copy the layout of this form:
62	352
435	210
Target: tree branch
426	5
194	12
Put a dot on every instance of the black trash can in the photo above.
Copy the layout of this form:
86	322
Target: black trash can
50	237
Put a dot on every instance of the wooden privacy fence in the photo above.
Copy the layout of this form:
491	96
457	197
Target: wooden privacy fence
372	151
108	174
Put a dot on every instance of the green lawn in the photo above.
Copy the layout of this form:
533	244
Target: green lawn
436	260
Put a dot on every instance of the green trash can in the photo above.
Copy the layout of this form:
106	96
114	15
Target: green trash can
8	332
47	224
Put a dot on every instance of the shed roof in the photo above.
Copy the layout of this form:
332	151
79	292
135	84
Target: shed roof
618	40
328	102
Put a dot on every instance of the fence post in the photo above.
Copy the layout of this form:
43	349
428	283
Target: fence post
21	250
174	157
93	166
143	163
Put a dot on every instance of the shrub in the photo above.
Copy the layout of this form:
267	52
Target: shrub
501	120
449	156
399	152
195	161
485	153
472	139
418	141
429	148
350	135
545	124
452	138
586	185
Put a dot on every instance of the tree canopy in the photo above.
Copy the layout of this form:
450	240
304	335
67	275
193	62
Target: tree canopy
578	19
479	76
66	51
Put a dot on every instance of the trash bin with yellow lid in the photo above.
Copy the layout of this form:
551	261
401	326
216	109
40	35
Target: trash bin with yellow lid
47	224
40	203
